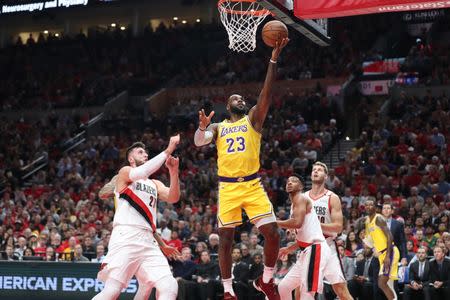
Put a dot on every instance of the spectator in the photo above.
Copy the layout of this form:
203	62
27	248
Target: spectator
213	244
204	272
348	264
10	255
239	271
246	257
88	247
99	253
254	247
282	267
397	230
78	254
352	244
175	241
439	287
419	275
163	230
183	271
21	246
256	270
364	283
50	254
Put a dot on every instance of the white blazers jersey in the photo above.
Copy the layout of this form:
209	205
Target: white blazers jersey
322	207
136	205
310	232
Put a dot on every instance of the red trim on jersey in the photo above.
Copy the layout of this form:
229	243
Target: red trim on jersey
303	244
329	204
138	201
314	199
315	282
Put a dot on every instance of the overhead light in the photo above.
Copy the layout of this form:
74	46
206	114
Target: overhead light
198	20
46	31
184	21
175	18
56	34
347	138
122	28
113	25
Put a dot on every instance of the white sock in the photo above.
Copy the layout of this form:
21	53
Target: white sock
268	274
228	286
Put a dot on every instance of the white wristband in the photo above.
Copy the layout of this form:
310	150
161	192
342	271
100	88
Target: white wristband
202	137
273	61
147	169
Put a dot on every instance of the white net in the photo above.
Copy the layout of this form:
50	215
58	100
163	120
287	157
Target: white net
241	20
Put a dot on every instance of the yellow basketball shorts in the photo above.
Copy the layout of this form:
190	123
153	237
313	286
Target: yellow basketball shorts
249	196
392	270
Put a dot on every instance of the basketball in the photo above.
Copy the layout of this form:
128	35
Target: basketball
274	31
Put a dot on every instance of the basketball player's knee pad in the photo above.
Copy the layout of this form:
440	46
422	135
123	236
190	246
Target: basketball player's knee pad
167	288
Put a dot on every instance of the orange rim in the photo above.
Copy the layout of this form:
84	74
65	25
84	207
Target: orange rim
258	13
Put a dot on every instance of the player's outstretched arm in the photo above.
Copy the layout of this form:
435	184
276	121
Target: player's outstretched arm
337	219
258	112
107	191
128	174
170	194
298	214
205	132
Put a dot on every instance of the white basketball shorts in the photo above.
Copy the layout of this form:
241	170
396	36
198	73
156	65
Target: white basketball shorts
133	251
308	271
334	272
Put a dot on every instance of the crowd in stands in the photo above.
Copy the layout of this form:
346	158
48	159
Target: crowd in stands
47	71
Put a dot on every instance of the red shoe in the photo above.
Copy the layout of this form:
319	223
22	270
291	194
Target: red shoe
269	289
228	296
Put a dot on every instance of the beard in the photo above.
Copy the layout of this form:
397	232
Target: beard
238	111
139	162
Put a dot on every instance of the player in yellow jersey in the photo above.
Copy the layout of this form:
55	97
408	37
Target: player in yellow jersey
379	237
238	142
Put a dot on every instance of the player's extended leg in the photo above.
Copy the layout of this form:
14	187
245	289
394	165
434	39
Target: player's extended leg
111	291
166	288
271	247
143	292
383	285
342	291
226	235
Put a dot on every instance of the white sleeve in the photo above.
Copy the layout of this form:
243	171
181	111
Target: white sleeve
202	137
148	168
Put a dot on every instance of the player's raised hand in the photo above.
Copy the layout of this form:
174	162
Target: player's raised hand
203	120
279	45
174	141
172	163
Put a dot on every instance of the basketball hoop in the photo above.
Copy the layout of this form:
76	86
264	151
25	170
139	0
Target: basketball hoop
241	19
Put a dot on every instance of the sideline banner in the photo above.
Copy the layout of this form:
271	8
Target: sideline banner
322	9
53	281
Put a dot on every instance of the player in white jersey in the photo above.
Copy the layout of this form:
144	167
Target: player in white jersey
133	249
307	273
107	192
329	212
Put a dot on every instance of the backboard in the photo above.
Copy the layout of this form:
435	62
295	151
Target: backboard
283	10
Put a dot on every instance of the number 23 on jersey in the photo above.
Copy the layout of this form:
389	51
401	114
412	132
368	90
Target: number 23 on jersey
235	144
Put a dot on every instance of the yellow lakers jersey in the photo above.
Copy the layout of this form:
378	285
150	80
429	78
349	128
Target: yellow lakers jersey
375	234
238	145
